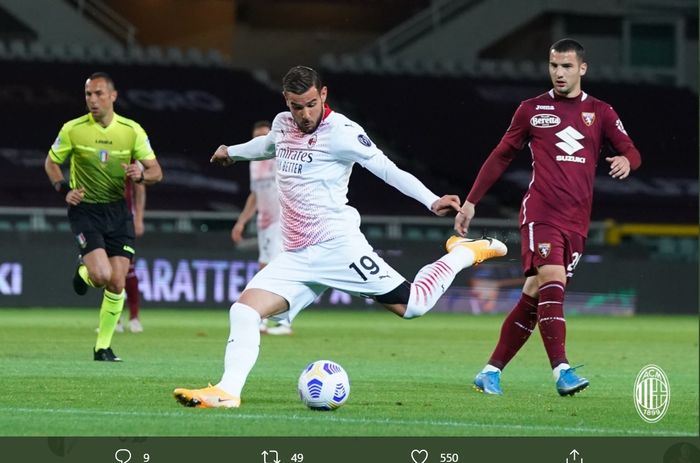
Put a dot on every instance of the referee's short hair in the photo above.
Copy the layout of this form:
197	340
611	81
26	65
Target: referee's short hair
103	75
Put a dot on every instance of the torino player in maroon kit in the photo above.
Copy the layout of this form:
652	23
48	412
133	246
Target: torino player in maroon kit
135	195
565	130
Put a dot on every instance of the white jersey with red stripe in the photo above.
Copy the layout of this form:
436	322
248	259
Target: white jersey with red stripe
313	171
263	184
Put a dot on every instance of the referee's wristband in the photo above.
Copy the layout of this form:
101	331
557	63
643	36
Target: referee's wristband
140	180
61	187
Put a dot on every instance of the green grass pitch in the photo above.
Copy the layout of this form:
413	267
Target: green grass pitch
408	378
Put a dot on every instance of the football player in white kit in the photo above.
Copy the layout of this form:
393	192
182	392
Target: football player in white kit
264	200
315	149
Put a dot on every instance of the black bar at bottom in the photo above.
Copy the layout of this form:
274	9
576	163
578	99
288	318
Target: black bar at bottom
348	450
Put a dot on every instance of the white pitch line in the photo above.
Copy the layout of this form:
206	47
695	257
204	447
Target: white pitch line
231	414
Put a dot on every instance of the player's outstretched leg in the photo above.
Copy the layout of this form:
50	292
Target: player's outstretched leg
241	354
433	280
482	248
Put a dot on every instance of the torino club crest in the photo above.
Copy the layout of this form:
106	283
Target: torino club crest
588	118
544	249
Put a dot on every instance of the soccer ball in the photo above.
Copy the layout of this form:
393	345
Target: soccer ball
324	385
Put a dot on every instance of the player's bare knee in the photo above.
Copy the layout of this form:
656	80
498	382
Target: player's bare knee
547	273
264	302
531	287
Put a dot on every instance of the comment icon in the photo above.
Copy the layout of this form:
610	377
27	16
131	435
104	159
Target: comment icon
122	455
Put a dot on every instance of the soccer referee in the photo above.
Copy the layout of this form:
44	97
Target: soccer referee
101	146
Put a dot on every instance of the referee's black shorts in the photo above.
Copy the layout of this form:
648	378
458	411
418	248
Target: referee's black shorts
109	226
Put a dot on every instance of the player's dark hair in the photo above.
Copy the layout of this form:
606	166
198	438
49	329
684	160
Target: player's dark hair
103	75
300	79
564	45
260	124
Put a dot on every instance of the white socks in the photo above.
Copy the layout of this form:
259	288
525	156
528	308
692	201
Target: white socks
488	368
461	257
433	280
242	348
557	370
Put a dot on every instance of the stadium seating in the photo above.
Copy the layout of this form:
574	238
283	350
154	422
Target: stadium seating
186	117
443	127
439	127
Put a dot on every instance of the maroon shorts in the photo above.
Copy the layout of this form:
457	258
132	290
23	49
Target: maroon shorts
543	244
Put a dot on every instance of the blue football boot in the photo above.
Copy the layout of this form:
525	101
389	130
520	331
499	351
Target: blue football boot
488	383
569	383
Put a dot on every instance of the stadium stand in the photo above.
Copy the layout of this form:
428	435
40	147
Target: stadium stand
443	128
439	128
12	28
435	116
187	112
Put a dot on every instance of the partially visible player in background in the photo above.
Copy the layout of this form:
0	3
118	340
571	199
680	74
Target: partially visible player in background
136	202
565	130
264	199
101	146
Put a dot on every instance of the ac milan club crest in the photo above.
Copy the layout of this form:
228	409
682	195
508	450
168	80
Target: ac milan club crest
312	141
588	118
544	249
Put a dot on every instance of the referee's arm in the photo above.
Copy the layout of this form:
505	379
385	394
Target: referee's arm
150	174
53	171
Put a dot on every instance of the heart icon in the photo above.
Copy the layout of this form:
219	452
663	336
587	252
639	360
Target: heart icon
419	456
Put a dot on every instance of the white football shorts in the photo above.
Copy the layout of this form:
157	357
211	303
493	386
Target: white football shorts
269	243
348	264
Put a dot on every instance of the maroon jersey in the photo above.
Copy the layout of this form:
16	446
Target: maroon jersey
129	194
565	137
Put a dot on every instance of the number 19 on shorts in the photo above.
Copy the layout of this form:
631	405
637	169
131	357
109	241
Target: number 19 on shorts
368	265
